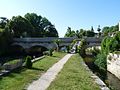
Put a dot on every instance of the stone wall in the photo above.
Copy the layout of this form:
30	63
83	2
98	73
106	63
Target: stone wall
113	64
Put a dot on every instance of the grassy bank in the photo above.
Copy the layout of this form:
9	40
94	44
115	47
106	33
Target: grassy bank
20	78
74	77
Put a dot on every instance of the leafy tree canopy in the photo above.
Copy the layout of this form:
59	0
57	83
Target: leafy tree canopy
32	25
80	33
109	30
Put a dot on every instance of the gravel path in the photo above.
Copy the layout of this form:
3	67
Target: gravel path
44	81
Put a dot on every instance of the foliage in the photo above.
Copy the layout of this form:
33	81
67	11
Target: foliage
98	29
80	33
32	25
109	30
110	44
101	61
76	49
42	26
57	41
74	41
28	63
50	52
105	45
68	49
90	33
5	41
3	22
20	26
81	48
70	33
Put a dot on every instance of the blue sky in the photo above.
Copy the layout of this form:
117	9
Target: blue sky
63	13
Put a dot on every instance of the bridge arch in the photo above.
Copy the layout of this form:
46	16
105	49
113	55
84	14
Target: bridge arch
17	50
29	45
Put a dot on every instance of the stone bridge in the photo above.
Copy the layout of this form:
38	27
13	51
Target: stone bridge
47	42
93	41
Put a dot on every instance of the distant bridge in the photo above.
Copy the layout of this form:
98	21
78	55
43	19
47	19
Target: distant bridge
47	42
93	41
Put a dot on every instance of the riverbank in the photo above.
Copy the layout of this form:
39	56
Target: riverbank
111	80
74	76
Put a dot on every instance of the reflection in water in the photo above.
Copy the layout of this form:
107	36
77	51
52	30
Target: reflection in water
114	82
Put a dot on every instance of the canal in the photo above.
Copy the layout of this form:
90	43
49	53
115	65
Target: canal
112	81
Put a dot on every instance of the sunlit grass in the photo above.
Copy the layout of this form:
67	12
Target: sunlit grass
74	77
20	78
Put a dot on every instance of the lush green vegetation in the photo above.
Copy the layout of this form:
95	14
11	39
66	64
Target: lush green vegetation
33	25
74	77
81	48
80	33
57	41
109	30
109	44
18	79
28	62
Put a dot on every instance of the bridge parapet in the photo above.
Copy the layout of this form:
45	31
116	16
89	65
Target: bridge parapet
40	40
93	39
47	42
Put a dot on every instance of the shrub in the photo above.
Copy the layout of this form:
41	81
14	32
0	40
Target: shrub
28	63
68	48
76	49
50	52
101	61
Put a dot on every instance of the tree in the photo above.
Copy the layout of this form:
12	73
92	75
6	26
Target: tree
20	25
3	22
110	30
42	26
35	21
99	30
5	41
28	63
92	30
57	41
70	33
110	44
90	33
51	31
77	33
105	30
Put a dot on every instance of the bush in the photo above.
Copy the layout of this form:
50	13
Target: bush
50	52
101	61
76	49
28	62
68	48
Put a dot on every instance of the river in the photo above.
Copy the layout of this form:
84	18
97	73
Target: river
112	81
